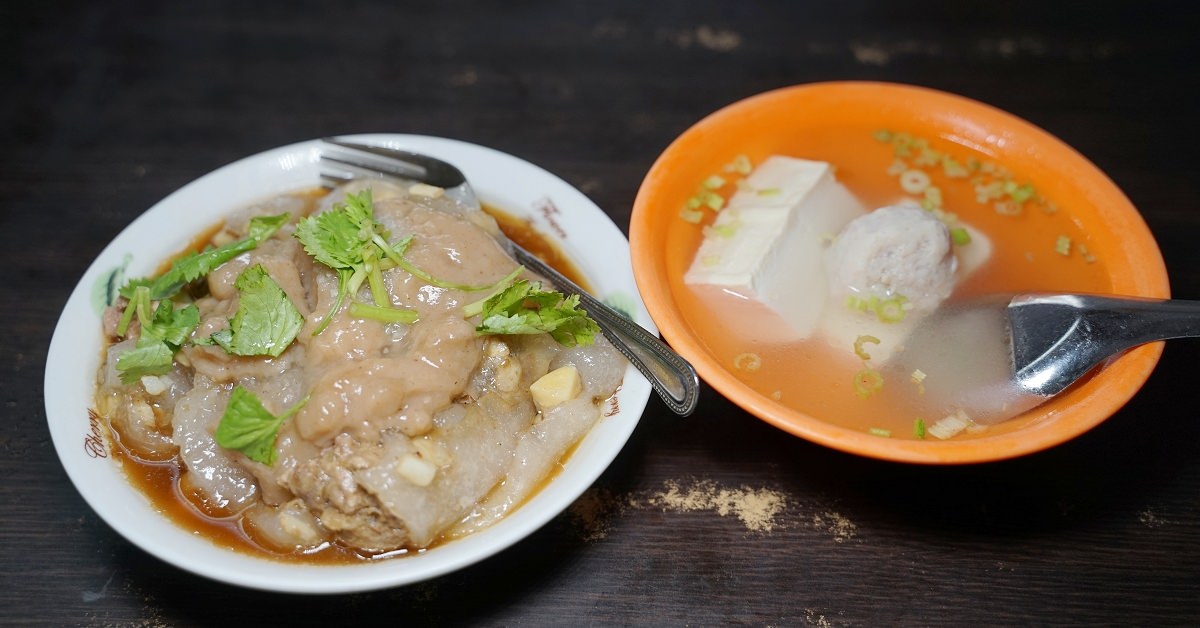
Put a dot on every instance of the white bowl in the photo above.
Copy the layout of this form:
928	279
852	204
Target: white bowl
557	210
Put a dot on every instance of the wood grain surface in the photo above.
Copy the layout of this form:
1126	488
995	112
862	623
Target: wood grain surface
107	107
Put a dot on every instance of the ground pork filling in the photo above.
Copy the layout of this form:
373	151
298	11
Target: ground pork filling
411	433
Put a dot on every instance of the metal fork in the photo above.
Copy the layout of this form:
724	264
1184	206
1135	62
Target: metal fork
672	377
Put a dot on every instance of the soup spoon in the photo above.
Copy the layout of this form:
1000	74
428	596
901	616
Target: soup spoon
996	357
671	376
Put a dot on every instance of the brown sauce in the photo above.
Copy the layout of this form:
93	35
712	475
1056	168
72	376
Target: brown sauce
161	481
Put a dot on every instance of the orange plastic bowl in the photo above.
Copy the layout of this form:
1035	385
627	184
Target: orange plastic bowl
834	122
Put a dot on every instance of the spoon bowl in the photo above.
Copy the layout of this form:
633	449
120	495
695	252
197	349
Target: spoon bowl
998	356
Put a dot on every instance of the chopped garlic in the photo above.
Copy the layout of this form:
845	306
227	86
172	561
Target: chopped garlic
154	385
496	348
142	413
951	425
299	528
424	189
417	471
918	378
432	451
507	375
560	385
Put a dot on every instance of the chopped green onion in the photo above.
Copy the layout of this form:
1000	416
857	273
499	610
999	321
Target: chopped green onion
891	310
914	181
713	200
740	165
867	382
1008	208
768	192
953	169
691	215
933	194
1062	245
727	230
882	135
928	157
714	182
1022	193
749	362
960	236
859	350
879	431
919	428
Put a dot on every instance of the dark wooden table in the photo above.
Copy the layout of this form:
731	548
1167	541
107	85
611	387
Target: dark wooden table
106	107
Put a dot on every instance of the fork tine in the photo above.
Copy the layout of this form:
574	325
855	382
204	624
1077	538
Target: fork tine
367	166
394	161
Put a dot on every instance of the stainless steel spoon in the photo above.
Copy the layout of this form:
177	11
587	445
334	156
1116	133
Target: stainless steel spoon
996	357
672	377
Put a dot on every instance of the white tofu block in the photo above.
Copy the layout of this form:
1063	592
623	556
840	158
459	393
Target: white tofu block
841	327
768	246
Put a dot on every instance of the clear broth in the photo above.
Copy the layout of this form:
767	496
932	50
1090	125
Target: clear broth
814	378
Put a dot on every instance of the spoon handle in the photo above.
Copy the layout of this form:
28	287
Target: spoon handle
671	376
1139	320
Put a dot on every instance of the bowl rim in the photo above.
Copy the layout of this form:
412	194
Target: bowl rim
1120	380
502	180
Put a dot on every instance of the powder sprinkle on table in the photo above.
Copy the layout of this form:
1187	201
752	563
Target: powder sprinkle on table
756	508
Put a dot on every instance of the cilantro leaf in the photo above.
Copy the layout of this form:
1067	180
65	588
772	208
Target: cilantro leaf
261	228
524	308
162	333
250	428
193	266
266	321
340	239
171	325
348	239
150	356
333	238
